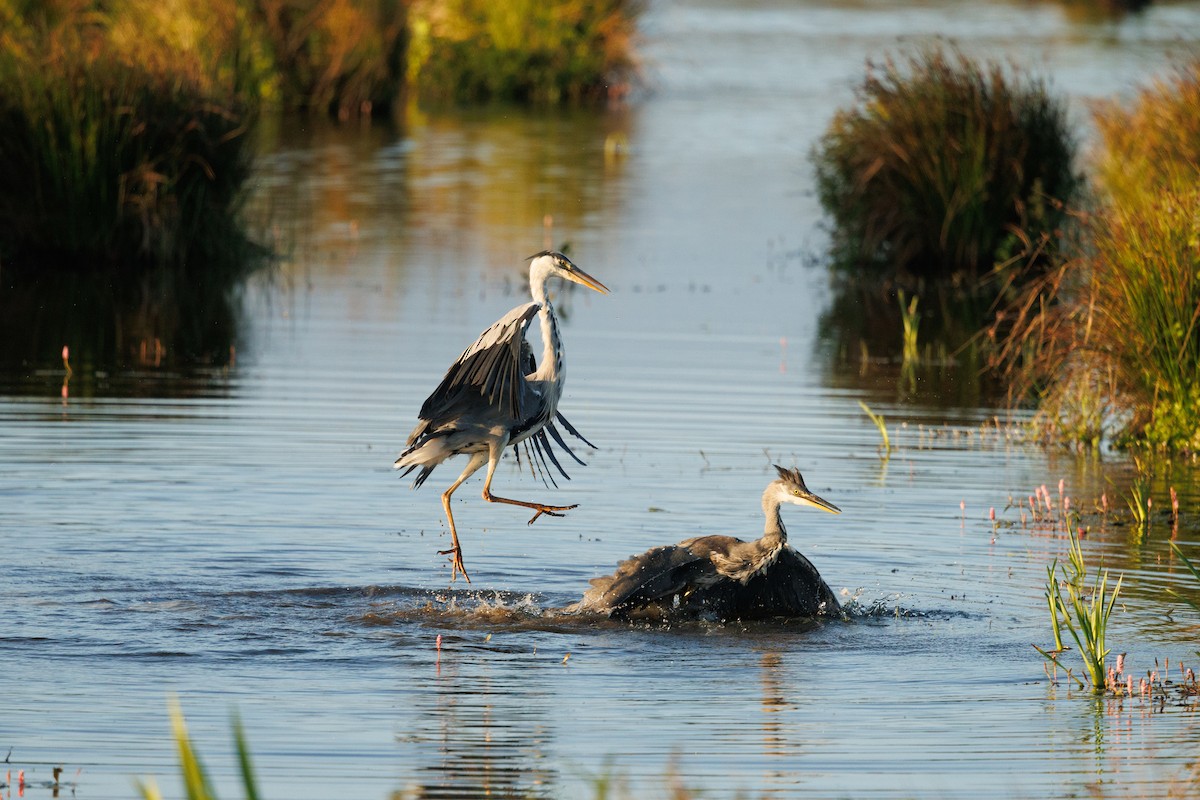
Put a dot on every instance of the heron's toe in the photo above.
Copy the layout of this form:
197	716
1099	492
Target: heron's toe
456	563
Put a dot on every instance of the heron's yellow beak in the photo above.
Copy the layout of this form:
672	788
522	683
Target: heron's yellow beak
811	499
579	276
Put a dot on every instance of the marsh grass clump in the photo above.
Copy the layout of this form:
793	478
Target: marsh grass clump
543	53
945	167
1146	323
109	162
1110	340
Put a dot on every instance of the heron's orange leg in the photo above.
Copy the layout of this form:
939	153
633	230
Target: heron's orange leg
455	551
540	508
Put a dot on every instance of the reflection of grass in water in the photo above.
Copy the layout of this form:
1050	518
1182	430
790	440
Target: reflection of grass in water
860	331
160	318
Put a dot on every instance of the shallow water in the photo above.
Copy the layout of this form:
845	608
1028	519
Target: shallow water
237	537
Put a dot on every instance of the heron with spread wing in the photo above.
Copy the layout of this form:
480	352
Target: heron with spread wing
722	577
497	396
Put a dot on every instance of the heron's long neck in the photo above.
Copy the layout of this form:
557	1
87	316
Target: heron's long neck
773	533
551	365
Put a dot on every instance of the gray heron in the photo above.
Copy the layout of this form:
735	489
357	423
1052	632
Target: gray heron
720	576
496	396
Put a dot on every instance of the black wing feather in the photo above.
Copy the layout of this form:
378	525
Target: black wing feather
571	430
553	431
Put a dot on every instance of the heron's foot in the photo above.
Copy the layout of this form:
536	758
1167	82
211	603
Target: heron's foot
553	511
456	563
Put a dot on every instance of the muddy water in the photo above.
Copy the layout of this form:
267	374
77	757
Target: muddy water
236	537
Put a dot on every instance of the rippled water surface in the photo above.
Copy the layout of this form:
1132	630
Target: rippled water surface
236	536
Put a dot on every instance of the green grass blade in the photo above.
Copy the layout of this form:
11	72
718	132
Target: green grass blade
243	751
881	424
195	780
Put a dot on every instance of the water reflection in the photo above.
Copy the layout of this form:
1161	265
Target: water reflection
113	323
862	332
471	187
478	735
780	751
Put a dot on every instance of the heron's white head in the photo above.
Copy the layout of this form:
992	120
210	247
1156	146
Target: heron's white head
790	488
550	263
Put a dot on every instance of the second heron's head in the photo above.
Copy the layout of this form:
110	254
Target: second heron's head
790	488
549	263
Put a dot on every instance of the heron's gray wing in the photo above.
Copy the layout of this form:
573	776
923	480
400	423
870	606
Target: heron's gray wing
491	370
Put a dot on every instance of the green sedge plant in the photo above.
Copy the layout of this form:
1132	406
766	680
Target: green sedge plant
1082	610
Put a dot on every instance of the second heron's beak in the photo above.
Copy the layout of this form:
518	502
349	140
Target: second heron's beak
579	276
810	499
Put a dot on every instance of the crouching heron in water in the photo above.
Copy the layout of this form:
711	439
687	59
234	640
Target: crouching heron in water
720	576
496	396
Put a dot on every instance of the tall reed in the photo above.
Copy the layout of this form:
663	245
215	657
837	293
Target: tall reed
945	166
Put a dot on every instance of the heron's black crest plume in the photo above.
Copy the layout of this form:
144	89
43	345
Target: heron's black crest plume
552	253
791	476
